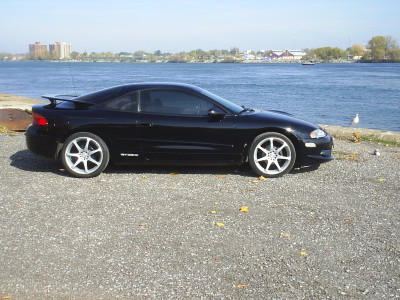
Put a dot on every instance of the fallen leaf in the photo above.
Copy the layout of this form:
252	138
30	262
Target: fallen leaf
304	253
286	234
220	224
215	203
174	174
244	209
381	179
349	219
255	181
391	248
145	179
5	297
221	176
240	286
213	212
216	262
171	187
261	178
143	224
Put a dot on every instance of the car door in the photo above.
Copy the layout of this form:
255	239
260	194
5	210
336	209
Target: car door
120	127
174	125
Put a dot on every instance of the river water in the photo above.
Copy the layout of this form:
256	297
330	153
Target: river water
324	93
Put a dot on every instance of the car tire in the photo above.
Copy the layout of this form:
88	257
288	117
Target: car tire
272	154
84	155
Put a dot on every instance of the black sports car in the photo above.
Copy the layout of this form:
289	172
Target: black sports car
164	123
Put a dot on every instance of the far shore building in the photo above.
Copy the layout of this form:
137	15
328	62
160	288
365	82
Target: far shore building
63	50
284	54
36	50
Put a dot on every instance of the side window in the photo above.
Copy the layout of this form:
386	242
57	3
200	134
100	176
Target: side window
173	102
127	102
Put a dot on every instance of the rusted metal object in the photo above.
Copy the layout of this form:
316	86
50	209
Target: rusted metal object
15	118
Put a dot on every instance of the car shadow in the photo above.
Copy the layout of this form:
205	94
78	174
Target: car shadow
304	169
243	170
25	160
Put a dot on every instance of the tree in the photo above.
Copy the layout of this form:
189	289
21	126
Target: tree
357	50
43	55
394	55
54	54
109	55
74	55
392	49
140	54
234	51
378	48
329	53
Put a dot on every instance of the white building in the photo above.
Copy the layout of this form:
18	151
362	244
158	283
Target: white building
63	50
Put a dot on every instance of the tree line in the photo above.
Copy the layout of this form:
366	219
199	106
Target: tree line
378	49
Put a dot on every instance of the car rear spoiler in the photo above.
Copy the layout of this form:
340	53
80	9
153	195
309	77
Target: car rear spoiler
54	99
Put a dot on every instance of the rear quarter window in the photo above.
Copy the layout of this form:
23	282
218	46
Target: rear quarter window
127	102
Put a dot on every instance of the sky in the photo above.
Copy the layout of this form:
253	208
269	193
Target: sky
184	25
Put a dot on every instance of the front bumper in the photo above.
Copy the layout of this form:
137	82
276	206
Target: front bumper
317	151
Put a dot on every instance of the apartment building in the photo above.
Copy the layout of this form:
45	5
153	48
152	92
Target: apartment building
37	49
63	50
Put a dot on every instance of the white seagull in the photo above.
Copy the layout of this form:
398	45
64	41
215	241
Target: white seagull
355	120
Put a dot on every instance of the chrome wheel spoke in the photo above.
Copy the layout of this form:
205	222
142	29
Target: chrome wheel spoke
79	160
278	165
268	166
283	157
94	161
77	145
263	149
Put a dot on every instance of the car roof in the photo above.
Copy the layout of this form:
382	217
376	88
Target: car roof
101	95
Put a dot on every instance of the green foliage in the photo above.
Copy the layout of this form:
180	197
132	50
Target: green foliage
329	53
371	138
357	50
382	49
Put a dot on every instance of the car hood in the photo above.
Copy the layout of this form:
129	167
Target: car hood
273	118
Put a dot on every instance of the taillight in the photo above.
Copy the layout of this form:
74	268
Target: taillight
39	120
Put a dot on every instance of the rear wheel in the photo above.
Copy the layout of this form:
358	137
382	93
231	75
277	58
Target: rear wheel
272	155
85	155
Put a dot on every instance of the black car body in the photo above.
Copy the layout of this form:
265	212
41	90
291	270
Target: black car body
164	123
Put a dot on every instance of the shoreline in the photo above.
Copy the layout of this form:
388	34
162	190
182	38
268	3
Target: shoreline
8	101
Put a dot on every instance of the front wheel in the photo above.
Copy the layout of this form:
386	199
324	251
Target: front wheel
84	155
272	155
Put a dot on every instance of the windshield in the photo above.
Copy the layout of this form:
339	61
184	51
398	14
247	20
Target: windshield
232	106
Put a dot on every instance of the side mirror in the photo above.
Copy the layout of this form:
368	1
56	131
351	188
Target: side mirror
216	113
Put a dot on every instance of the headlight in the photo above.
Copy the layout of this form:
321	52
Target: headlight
317	134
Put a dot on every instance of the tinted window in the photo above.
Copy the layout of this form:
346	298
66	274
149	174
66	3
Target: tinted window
173	102
126	102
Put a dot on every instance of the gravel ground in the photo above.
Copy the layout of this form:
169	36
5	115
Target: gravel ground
145	233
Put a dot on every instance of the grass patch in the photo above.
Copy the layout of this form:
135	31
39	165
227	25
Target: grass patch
4	129
371	138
